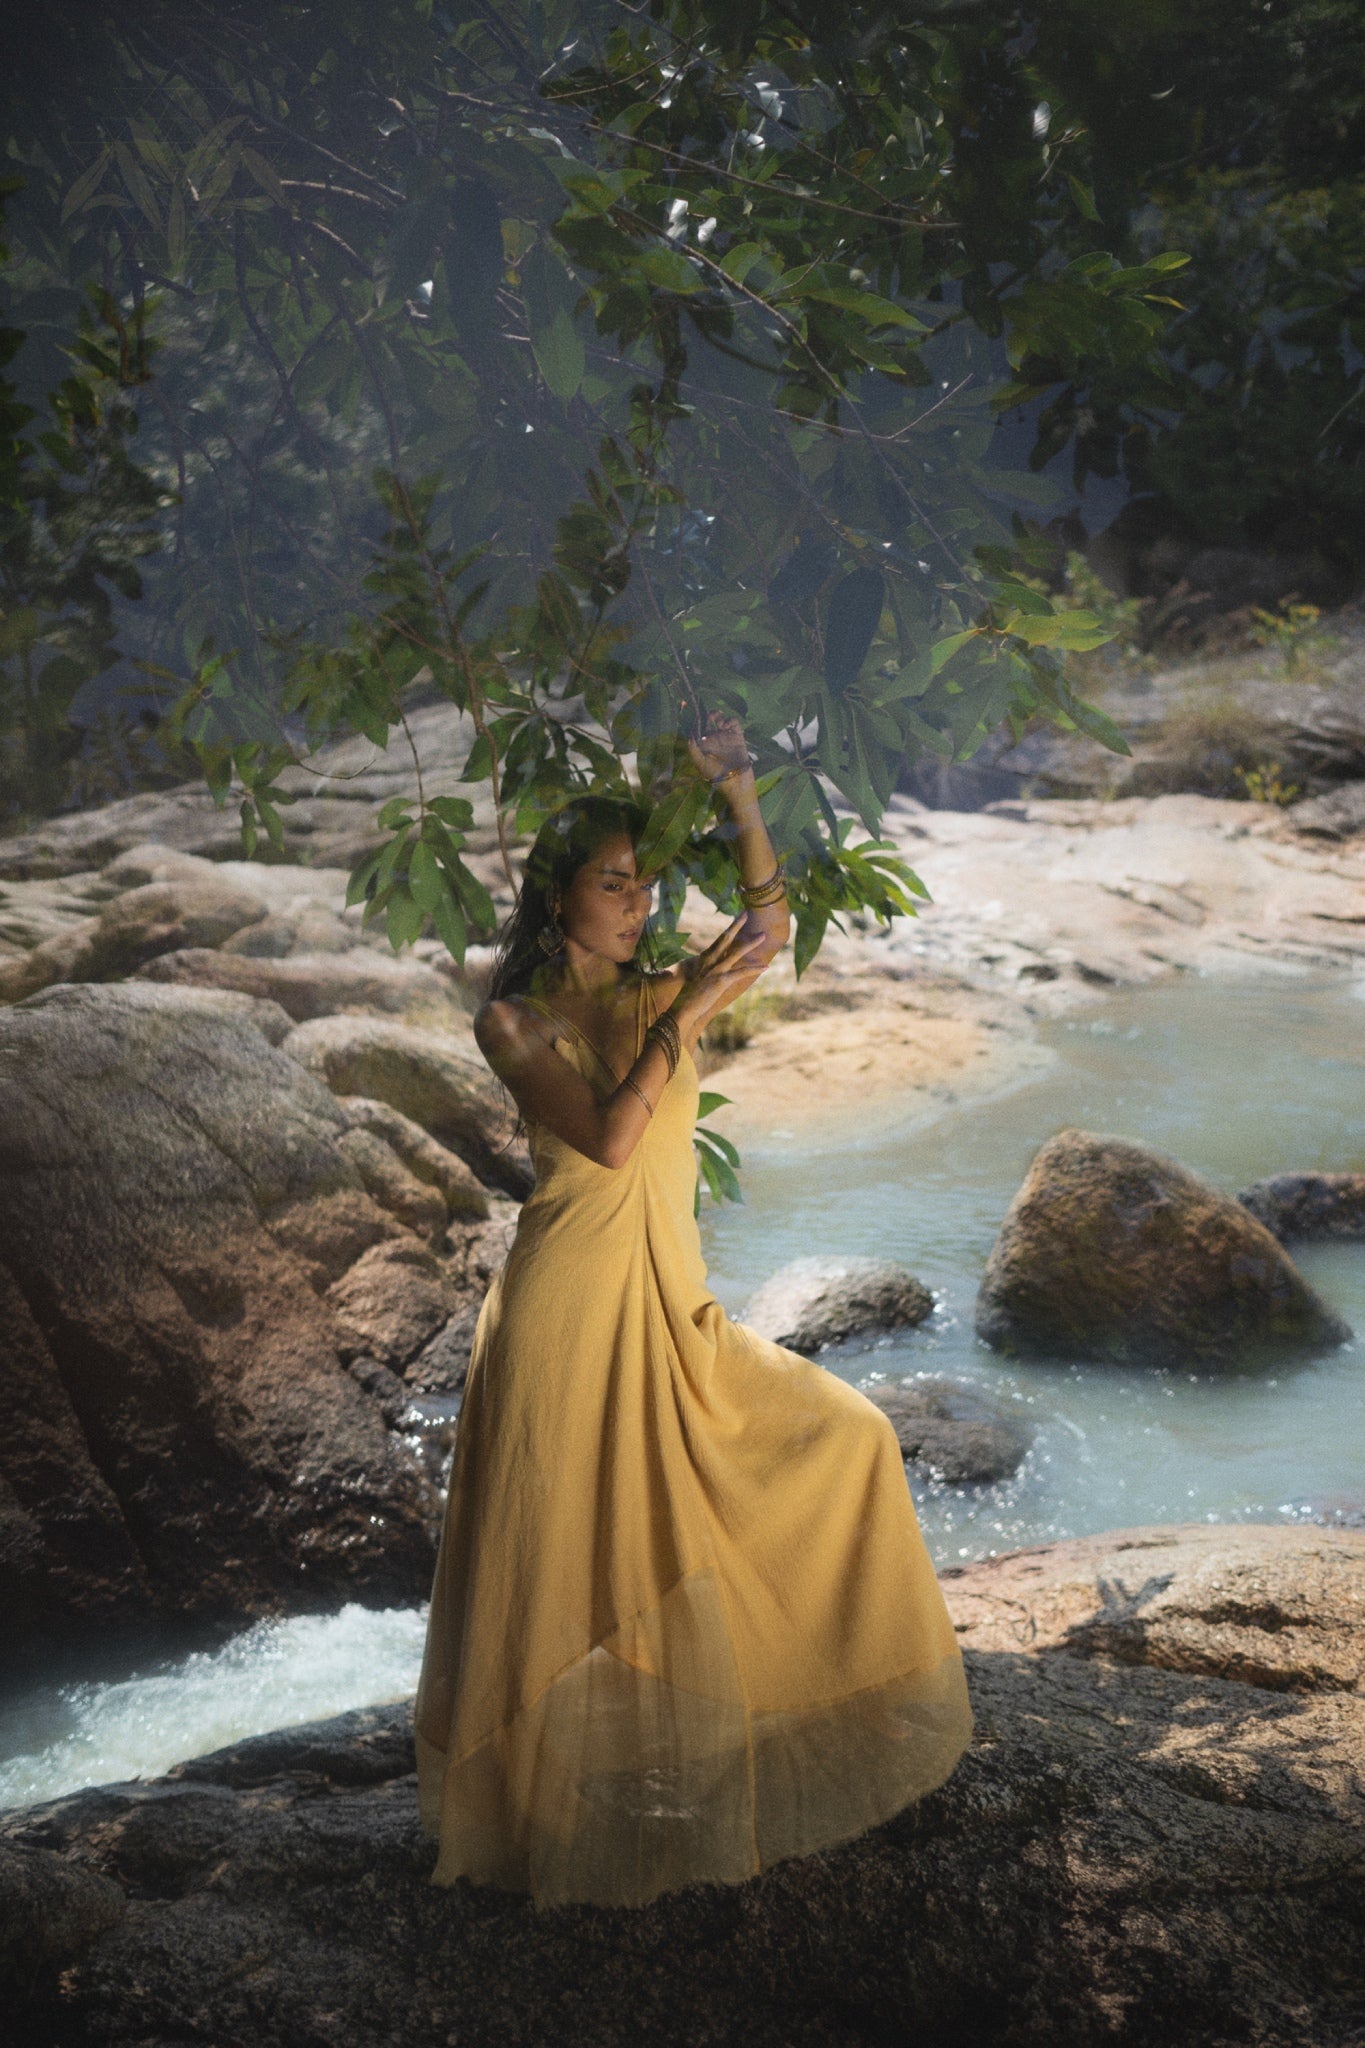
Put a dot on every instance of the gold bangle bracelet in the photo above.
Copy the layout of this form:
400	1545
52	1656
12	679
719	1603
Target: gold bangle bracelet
755	894
664	1033
628	1083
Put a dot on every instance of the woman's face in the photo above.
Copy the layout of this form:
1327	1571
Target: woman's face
605	905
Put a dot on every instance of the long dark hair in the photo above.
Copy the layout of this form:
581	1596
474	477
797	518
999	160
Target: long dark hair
568	838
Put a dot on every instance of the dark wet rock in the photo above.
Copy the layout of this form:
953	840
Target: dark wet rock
438	1079
1112	1251
182	1442
442	1366
382	1385
817	1301
1309	1205
51	1907
1153	1842
953	1432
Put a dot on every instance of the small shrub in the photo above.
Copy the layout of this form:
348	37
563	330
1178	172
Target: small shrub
1296	632
1264	784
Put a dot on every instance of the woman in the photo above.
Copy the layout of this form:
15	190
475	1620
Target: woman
683	1622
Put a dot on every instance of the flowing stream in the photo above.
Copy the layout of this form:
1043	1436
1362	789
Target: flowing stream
1237	1080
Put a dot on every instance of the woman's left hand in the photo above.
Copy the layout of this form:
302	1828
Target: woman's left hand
721	750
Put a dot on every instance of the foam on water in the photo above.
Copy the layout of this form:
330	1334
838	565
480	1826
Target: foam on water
274	1675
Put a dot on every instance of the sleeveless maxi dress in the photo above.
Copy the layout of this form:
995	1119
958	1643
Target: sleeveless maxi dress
683	1622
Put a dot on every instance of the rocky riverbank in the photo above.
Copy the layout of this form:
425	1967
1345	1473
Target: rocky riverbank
254	1176
1155	1838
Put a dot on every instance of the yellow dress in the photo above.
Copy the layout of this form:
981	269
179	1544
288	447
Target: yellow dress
683	1621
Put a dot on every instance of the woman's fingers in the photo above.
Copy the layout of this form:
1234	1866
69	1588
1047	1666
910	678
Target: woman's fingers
727	938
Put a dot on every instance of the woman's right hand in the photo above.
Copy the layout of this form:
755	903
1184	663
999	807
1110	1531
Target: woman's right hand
716	971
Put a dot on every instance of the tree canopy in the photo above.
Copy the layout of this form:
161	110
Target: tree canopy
593	365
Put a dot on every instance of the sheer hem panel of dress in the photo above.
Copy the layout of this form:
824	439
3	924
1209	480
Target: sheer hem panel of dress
640	1768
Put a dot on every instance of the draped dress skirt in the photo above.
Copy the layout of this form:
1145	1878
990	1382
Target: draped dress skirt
683	1622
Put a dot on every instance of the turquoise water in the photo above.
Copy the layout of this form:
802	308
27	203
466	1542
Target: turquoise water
1237	1081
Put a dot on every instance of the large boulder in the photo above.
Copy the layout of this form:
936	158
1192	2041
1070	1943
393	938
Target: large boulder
133	927
1112	1251
439	1080
817	1301
331	823
182	1440
1309	1205
311	985
1153	1842
951	1431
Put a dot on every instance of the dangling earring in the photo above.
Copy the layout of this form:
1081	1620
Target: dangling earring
552	937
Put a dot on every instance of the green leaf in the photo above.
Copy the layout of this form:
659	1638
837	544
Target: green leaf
1078	630
357	889
738	262
671	823
403	918
708	1101
1084	198
84	187
550	294
475	901
479	762
455	811
450	927
855	607
1094	722
425	878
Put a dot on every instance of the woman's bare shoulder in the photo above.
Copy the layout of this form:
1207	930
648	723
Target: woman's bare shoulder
500	1025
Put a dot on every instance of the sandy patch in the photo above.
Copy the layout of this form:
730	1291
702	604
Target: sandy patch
882	1058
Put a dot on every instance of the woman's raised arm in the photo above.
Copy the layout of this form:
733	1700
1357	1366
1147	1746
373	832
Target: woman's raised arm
723	757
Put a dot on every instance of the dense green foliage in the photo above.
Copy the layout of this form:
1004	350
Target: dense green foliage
1236	132
596	366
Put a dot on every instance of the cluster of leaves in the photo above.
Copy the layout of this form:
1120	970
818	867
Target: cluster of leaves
680	339
717	1157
